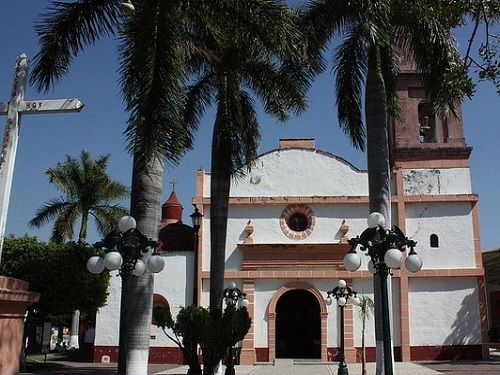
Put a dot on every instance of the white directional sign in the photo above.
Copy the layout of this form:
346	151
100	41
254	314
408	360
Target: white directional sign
14	108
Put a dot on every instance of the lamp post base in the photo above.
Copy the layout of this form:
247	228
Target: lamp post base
342	369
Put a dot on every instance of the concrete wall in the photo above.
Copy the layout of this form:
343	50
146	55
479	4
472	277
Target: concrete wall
444	311
437	181
452	223
174	283
288	173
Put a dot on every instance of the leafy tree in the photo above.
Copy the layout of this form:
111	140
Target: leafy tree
213	330
58	272
88	191
365	309
365	62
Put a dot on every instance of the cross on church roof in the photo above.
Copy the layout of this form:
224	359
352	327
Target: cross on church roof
173	183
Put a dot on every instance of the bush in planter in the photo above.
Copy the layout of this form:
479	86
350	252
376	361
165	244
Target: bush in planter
214	331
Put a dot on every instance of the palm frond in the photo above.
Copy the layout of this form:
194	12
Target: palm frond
350	63
389	67
279	92
49	211
106	217
65	30
152	71
198	98
65	222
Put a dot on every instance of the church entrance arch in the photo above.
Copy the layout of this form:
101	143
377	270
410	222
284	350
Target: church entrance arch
297	323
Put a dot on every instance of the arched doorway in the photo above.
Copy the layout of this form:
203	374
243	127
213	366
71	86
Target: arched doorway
298	325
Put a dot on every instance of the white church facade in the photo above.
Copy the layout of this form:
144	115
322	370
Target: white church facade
288	224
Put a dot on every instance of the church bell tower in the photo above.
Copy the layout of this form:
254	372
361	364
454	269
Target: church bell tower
419	133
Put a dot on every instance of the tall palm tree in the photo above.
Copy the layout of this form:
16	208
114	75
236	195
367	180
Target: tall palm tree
260	61
374	32
88	192
152	69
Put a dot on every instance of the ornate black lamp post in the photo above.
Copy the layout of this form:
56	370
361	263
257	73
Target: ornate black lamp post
124	249
385	248
342	293
196	218
232	296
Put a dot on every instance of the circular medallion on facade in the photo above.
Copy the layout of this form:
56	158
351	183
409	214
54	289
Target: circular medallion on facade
297	221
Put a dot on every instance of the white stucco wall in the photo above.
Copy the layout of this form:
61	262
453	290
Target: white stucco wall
107	320
174	283
298	172
452	223
437	181
444	311
365	287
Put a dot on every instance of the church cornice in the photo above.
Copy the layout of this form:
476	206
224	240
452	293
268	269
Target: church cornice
356	199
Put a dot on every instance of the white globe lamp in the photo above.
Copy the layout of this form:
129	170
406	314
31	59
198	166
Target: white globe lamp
341	284
355	300
375	219
341	301
128	7
352	261
413	263
328	301
113	260
393	258
139	268
156	263
126	223
95	265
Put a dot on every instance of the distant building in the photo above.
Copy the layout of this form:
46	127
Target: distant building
289	221
491	263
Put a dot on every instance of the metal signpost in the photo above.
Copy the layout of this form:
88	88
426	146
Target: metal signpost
14	109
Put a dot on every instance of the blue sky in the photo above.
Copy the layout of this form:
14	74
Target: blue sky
46	139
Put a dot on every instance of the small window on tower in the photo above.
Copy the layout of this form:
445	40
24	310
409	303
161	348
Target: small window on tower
434	240
427	123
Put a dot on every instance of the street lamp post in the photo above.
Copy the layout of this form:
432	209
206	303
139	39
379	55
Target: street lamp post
385	247
342	293
196	218
232	296
124	249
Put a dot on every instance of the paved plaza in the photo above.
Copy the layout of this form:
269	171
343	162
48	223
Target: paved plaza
288	367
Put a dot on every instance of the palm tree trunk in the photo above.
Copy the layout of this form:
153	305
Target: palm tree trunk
75	319
219	198
363	349
145	208
378	172
82	236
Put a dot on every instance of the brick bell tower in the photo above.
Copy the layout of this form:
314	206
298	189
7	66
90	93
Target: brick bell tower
430	167
420	134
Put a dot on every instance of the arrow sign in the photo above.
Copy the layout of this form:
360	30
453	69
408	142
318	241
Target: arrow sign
13	109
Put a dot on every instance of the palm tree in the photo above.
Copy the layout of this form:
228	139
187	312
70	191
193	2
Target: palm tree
365	310
88	192
374	32
155	48
261	61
